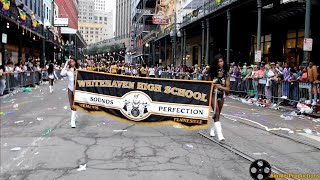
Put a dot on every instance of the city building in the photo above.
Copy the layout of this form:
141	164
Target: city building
100	5
74	42
27	33
285	31
94	25
123	22
143	28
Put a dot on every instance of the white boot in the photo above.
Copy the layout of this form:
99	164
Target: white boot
212	130
219	131
50	87
73	118
76	117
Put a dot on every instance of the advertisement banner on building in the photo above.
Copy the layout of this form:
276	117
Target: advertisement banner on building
61	22
160	19
144	100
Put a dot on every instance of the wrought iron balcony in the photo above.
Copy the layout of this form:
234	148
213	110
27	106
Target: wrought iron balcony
146	28
204	10
145	12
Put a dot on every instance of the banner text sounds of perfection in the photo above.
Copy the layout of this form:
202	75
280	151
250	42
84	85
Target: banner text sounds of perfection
145	87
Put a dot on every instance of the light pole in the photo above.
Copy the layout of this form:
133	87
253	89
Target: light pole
173	35
130	55
109	54
147	46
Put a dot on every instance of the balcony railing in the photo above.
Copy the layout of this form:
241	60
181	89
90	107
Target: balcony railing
204	10
146	28
145	12
165	32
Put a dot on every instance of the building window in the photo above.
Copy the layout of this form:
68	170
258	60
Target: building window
105	18
100	18
95	18
294	47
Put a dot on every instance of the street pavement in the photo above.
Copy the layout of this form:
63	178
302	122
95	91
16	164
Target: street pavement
38	143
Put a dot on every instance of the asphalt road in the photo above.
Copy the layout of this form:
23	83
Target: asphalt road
38	143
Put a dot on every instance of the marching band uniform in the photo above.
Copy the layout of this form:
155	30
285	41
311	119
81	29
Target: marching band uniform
70	73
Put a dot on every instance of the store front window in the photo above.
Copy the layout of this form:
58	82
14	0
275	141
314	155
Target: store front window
265	46
293	50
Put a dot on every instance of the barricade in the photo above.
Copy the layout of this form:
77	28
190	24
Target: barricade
18	80
294	91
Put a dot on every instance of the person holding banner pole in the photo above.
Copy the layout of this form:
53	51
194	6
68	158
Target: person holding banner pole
69	70
218	74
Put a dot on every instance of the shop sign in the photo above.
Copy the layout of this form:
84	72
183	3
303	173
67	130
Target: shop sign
257	56
61	22
160	19
4	38
307	44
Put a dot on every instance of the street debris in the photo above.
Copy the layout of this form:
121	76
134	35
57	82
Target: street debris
106	121
177	126
30	122
304	108
121	130
293	114
263	120
16	149
316	120
5	144
308	131
17	122
287	118
189	146
64	89
36	153
65	107
82	167
46	132
39	118
15	106
27	89
2	113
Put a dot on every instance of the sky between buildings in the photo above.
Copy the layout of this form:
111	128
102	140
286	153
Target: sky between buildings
112	7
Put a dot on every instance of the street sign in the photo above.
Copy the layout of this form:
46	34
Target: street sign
61	22
257	56
160	18
4	38
307	44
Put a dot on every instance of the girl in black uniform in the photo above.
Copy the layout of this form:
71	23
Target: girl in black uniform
219	75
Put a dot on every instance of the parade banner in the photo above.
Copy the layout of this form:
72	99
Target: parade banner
144	100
